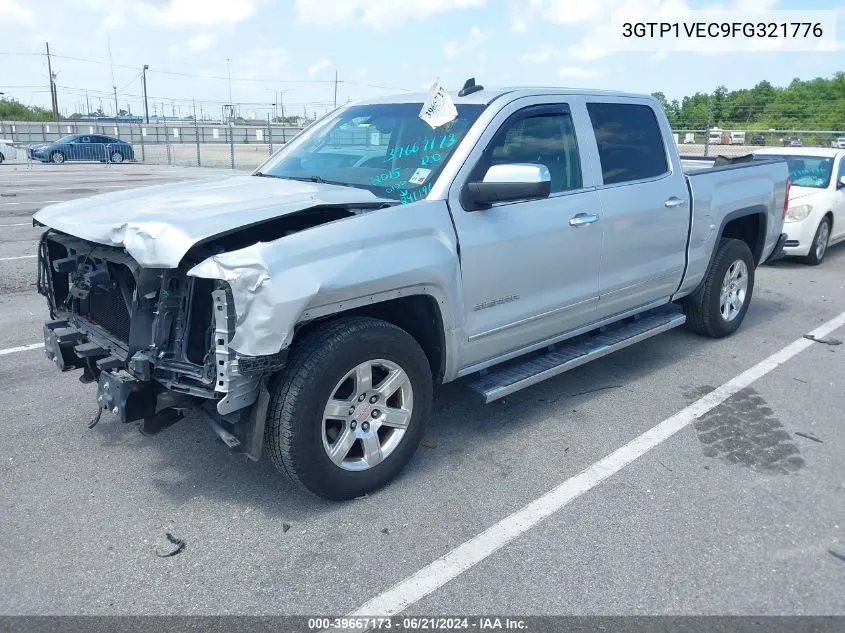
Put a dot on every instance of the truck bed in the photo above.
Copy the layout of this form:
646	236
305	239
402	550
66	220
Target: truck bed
693	164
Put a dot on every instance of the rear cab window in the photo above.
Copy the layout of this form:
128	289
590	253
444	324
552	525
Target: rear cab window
629	140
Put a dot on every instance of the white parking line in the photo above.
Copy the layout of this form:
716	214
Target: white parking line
69	186
16	204
22	348
454	563
6	259
21	224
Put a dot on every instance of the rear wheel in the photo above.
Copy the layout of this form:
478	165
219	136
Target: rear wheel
57	157
819	246
718	308
348	411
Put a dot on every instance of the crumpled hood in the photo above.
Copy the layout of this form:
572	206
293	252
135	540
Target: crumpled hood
158	225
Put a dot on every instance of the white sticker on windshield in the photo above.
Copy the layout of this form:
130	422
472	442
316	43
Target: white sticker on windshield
419	176
438	108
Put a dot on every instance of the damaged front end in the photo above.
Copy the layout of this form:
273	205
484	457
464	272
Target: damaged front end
155	340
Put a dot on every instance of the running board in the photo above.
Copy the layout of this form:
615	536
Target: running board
499	383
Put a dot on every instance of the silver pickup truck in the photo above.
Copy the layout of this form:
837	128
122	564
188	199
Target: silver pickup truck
308	309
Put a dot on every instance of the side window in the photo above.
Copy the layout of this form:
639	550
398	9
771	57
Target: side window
841	168
629	142
543	139
83	139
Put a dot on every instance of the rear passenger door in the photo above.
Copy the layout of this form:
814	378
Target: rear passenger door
645	203
103	146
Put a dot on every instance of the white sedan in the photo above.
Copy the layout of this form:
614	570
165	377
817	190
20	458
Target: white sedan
7	150
815	218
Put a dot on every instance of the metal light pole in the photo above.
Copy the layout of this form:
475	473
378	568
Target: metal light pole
229	72
146	107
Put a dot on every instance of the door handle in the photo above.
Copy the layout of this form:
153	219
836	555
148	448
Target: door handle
675	202
580	219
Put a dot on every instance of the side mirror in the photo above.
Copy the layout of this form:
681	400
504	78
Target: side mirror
841	183
508	183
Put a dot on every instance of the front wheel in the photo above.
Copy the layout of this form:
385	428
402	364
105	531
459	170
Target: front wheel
718	308
819	246
57	157
116	157
349	410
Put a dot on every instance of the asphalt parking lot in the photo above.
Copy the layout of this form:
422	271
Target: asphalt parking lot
679	476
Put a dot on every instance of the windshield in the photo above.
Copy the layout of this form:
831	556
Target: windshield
385	148
67	139
806	171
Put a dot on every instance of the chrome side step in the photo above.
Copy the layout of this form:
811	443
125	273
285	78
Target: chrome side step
499	383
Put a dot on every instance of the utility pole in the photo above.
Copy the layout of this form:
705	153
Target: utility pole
146	107
54	100
87	104
113	86
335	88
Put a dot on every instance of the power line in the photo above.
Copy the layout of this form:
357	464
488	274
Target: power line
206	76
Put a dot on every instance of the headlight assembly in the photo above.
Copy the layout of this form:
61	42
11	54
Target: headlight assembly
798	213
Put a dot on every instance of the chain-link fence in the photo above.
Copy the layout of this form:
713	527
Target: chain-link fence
246	145
716	141
238	146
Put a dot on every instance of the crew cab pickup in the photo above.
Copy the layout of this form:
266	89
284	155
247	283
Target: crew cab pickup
307	310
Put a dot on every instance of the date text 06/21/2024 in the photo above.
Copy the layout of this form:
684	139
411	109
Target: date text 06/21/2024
353	623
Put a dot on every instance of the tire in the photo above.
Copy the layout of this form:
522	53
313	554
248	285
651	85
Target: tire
299	434
818	249
707	313
57	157
116	157
2	158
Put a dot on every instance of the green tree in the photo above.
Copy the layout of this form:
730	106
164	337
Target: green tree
13	110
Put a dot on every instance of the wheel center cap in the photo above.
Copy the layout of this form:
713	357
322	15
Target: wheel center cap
363	412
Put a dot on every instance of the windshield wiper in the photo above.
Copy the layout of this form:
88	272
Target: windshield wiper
316	179
319	180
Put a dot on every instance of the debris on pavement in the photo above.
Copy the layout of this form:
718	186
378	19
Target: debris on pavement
179	543
836	555
385	531
285	527
597	389
429	443
808	436
825	341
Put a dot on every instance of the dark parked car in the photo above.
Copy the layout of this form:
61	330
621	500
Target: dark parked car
83	147
792	141
758	139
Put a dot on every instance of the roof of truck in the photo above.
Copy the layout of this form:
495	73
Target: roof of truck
486	96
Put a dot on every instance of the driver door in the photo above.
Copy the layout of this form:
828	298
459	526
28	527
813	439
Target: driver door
82	148
530	269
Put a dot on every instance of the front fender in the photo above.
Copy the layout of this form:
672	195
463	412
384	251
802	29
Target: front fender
337	266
